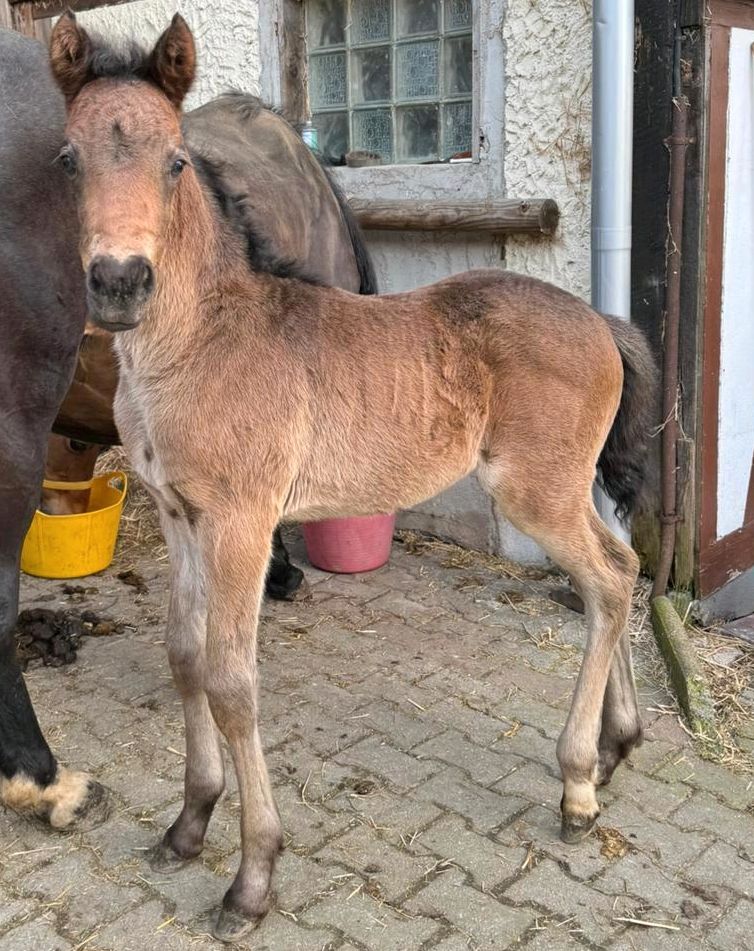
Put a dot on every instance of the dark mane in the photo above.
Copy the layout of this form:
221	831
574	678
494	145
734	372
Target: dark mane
235	209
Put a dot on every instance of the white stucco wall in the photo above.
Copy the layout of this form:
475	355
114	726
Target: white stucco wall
226	33
536	64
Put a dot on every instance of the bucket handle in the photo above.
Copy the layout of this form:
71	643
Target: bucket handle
72	486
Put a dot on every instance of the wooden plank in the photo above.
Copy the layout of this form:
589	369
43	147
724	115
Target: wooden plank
293	63
42	9
511	216
716	160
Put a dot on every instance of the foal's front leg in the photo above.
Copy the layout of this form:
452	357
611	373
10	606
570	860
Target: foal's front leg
186	642
236	557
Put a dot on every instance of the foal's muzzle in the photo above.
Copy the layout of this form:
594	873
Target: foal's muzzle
117	290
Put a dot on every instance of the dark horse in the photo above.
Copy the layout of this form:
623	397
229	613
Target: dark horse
252	152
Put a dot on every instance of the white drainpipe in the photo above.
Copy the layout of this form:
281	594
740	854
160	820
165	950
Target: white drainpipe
612	144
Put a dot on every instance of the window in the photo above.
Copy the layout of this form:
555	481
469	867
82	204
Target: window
391	78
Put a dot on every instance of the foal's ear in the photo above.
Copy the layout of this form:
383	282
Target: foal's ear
70	54
172	63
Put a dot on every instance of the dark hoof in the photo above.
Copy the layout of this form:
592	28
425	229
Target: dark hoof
232	925
292	586
94	810
568	598
576	828
164	860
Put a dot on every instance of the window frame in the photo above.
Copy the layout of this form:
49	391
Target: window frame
284	77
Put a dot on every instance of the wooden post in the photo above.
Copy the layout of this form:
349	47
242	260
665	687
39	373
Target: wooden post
506	216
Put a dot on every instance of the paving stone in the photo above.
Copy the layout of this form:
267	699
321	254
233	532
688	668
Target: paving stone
404	728
85	899
35	936
487	923
734	789
486	861
278	933
554	937
660	891
15	911
722	865
483	766
381	758
151	926
389	871
486	810
734	933
370	923
667	844
703	813
532	781
548	887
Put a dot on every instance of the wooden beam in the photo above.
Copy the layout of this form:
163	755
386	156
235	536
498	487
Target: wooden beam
41	9
508	216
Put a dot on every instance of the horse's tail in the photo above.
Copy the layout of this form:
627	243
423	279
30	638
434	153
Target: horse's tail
622	464
367	277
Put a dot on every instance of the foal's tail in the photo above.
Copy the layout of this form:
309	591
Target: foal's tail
623	461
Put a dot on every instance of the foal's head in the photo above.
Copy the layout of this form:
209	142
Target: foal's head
124	150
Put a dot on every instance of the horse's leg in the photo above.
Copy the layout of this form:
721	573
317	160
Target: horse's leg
621	728
236	557
560	516
30	778
186	644
284	580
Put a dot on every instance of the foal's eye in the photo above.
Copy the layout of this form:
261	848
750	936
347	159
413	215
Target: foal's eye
75	446
177	167
68	164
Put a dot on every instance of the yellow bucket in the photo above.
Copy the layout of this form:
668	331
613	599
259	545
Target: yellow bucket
71	546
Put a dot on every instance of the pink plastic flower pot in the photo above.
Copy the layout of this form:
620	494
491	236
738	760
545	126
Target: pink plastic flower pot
349	545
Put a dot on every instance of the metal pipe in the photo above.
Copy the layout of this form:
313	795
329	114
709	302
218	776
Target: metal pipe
678	143
612	154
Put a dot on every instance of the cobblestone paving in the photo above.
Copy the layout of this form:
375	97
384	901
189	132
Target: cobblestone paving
410	719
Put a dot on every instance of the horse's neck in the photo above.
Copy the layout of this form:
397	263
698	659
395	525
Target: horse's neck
196	261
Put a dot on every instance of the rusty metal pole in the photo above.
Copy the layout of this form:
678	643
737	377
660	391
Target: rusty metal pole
677	143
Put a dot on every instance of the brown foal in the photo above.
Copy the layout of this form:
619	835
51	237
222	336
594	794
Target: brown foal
247	398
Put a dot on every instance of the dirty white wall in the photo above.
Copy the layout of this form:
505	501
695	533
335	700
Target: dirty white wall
541	118
226	33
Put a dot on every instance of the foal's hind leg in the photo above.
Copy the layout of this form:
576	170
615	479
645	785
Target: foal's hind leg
621	727
186	644
561	517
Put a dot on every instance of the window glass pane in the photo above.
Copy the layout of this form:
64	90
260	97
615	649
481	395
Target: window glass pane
418	70
332	135
372	131
370	20
457	14
370	74
456	128
326	23
327	80
457	66
417	16
417	135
